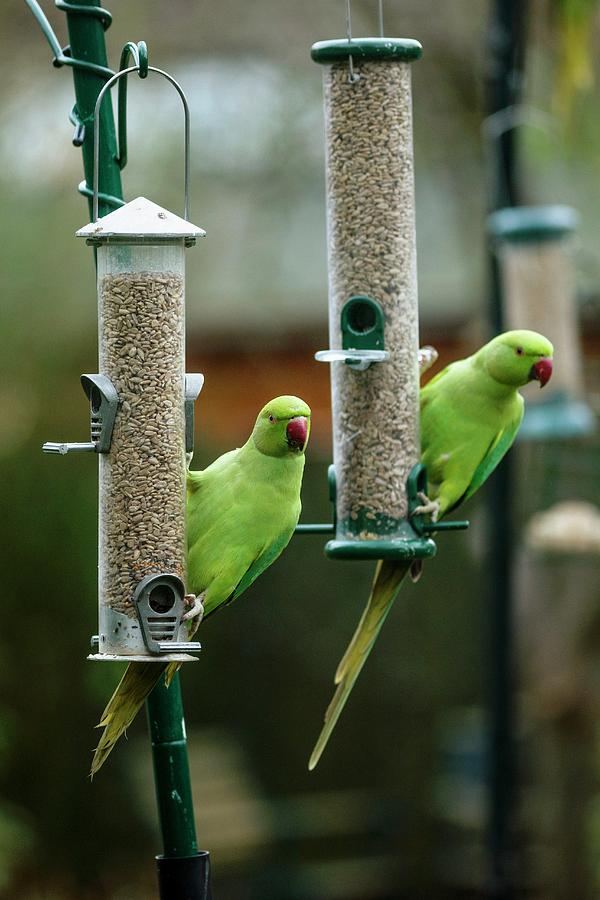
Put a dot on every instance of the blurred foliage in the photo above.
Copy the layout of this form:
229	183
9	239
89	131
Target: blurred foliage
574	20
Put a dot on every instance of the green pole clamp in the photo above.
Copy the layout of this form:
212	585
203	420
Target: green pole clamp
110	198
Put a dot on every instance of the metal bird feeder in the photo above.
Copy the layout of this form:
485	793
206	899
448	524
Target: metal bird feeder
373	311
538	287
141	420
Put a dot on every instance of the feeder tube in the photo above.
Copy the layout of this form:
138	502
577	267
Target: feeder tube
372	257
142	479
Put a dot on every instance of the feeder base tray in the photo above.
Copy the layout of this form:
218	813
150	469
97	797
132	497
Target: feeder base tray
143	657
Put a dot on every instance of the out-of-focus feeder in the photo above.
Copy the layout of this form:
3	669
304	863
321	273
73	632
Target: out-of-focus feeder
373	311
568	527
538	288
141	422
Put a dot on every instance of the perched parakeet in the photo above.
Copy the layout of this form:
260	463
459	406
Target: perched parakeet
470	415
241	513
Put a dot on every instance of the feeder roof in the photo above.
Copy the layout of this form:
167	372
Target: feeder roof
532	224
369	49
141	218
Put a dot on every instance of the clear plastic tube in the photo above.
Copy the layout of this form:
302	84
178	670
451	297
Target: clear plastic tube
371	240
142	478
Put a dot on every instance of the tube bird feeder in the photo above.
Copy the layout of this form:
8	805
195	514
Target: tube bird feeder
141	327
141	406
538	288
373	312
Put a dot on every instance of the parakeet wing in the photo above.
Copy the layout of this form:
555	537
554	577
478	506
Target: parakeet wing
496	451
261	563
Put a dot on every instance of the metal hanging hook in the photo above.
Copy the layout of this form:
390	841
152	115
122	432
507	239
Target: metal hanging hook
353	76
381	25
137	54
186	113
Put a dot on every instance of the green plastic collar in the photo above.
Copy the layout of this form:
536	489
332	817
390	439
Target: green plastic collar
366	50
558	418
532	224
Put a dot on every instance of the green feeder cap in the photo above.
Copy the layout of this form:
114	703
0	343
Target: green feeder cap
366	50
532	224
560	417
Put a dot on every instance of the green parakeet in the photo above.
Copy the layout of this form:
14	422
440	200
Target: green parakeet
241	513
470	415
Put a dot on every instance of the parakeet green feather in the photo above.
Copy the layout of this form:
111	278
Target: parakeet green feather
241	513
470	416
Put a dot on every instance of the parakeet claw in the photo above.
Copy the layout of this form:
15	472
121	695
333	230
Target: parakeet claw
196	607
430	507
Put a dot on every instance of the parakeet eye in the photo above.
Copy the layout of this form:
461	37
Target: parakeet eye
519	351
271	418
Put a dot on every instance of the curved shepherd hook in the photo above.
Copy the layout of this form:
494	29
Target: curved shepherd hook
186	112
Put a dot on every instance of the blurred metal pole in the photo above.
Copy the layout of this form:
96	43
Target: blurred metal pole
506	52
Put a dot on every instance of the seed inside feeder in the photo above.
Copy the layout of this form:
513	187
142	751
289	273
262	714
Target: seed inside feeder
142	479
371	238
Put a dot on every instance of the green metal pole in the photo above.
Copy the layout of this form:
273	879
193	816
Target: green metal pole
86	23
183	871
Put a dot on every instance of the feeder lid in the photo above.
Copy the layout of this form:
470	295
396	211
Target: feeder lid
559	417
142	219
366	50
532	224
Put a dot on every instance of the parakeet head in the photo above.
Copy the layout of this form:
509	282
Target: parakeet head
518	357
282	427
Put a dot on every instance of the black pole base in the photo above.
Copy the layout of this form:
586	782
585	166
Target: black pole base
184	877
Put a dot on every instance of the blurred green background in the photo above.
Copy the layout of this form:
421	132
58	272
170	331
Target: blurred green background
396	808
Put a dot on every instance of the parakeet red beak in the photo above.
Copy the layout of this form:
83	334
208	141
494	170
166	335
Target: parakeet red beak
542	371
297	432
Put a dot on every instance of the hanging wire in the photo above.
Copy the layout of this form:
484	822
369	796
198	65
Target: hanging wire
381	28
353	76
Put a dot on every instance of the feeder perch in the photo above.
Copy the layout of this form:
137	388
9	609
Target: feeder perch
362	324
538	287
373	314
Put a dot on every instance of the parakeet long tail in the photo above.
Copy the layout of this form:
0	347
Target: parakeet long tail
121	709
386	584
